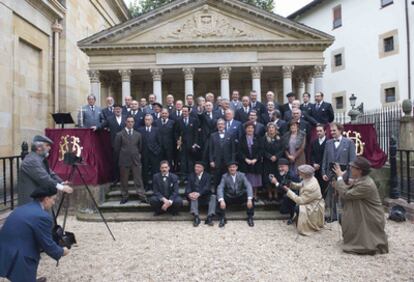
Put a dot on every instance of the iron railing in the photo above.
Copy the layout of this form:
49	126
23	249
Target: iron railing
406	167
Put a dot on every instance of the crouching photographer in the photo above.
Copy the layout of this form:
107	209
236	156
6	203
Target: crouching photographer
26	232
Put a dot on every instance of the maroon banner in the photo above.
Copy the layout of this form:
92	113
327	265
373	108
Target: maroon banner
94	148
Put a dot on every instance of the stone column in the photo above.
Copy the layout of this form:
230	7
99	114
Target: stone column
157	83
57	29
95	85
309	82
287	80
189	80
126	83
300	84
318	76
256	80
225	82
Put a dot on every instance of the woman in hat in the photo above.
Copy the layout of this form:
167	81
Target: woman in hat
310	206
363	218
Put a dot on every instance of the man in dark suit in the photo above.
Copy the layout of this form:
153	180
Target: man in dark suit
259	129
270	97
127	105
281	125
287	106
208	121
170	103
255	104
242	114
233	127
109	110
316	156
177	113
166	131
166	196
340	150
157	107
151	150
198	191
221	151
303	124
322	111
235	103
90	114
268	115
234	188
307	108
27	231
128	146
137	114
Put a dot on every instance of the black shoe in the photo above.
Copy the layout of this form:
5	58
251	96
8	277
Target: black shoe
196	221
41	279
290	221
209	221
222	222
175	214
123	201
157	213
250	221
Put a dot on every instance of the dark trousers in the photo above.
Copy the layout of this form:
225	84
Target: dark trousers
186	162
234	201
124	175
322	183
156	204
117	176
219	170
150	166
168	153
287	206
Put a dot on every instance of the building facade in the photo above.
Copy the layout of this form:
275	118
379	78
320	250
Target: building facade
200	46
41	68
371	56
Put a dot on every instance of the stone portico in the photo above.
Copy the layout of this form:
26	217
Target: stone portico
200	46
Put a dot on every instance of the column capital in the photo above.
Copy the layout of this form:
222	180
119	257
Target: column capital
125	75
188	73
57	27
299	80
256	71
94	75
156	73
318	70
287	71
225	72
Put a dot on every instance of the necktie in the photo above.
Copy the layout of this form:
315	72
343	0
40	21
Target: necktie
228	125
130	132
179	113
148	129
111	109
186	121
317	106
163	122
93	108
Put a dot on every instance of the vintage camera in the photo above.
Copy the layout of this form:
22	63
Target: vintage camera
63	238
70	158
343	167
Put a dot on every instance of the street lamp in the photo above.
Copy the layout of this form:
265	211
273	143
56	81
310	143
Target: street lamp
353	113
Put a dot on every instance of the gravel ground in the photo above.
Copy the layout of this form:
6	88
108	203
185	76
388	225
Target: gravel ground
271	251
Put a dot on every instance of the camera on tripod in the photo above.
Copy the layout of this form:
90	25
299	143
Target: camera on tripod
70	158
63	238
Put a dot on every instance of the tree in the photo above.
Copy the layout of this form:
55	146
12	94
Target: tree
139	7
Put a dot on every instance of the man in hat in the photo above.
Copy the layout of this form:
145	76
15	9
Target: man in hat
363	219
199	192
285	108
35	171
234	189
27	230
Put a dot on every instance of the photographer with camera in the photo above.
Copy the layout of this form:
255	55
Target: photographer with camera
27	231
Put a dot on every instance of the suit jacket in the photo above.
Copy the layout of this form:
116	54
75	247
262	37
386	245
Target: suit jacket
106	113
27	230
203	187
90	118
208	125
324	114
166	133
307	113
188	133
170	108
34	174
235	129
138	118
114	127
344	154
283	109
241	115
171	193
281	126
256	153
151	141
128	148
229	189
235	105
266	118
174	116
221	155
260	108
317	151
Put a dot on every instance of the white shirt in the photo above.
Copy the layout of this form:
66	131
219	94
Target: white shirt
337	143
321	140
199	176
118	119
233	177
148	128
221	134
127	130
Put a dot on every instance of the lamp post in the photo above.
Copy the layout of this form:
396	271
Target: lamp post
353	113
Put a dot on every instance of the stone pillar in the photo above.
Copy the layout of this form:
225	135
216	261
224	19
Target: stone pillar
309	83
225	82
189	80
300	87
256	80
126	83
95	85
57	29
287	80
318	75
157	83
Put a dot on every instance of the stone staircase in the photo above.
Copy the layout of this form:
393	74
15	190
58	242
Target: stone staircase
136	210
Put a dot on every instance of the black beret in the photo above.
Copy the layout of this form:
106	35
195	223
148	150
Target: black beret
290	94
283	161
232	163
41	192
200	163
157	104
41	138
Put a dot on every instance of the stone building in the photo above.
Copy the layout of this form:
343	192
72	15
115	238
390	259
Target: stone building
41	68
196	46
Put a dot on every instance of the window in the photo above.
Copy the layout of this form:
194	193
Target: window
337	16
385	3
389	44
390	95
339	102
338	60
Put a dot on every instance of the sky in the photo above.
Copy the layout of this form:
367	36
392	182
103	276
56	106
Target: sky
283	7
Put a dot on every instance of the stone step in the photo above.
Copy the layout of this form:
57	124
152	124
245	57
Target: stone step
183	216
115	195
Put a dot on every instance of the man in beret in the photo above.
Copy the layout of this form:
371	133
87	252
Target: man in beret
199	192
287	107
234	189
35	171
363	220
27	230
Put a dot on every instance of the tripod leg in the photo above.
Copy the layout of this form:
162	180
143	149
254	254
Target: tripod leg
94	202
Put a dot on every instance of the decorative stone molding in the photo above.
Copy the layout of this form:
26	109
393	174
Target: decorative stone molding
156	74
125	75
188	73
308	76
287	71
318	71
57	27
256	72
225	72
93	76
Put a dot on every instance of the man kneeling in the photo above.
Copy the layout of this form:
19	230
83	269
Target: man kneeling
234	188
198	191
165	187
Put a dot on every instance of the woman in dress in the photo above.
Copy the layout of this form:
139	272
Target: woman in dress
295	142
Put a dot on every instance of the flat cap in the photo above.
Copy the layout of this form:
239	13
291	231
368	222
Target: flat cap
41	138
200	163
41	192
283	161
232	163
361	163
306	169
157	104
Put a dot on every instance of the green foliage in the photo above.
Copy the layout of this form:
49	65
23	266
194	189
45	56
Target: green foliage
139	7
